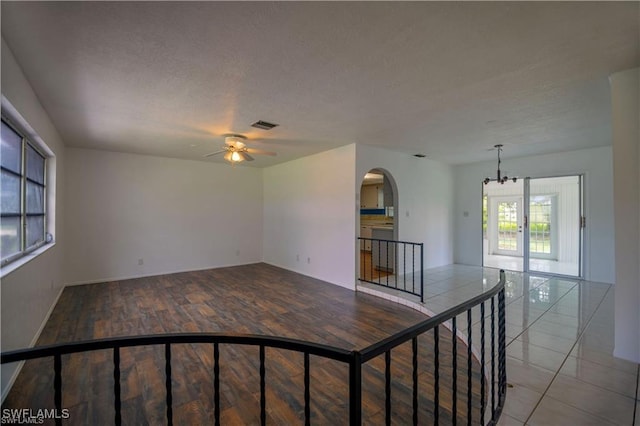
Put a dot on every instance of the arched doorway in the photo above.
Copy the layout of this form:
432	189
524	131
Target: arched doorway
378	204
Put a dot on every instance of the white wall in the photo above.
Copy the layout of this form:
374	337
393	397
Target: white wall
176	215
595	163
625	90
424	208
309	216
29	292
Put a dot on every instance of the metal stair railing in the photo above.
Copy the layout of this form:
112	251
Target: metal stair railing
492	382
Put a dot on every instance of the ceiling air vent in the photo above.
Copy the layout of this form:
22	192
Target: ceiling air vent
264	125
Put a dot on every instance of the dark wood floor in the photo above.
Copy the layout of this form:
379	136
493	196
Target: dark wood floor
255	299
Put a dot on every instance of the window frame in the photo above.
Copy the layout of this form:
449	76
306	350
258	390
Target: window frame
25	250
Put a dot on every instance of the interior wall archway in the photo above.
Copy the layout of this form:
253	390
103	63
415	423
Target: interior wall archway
388	199
377	219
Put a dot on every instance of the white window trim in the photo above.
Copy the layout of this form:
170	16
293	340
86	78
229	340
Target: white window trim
17	120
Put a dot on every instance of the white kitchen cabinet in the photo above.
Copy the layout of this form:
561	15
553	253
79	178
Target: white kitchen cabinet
369	197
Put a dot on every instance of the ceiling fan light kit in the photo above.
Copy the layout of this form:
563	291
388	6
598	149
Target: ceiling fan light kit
233	157
499	177
236	150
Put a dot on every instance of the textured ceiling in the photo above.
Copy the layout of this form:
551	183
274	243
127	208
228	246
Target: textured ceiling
448	80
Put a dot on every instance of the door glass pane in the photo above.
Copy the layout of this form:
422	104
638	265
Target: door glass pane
35	198
540	225
10	197
485	217
9	236
508	225
35	165
35	230
11	149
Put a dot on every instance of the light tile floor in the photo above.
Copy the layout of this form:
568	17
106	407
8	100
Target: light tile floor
560	341
514	263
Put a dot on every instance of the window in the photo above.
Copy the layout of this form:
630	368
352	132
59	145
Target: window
22	204
543	230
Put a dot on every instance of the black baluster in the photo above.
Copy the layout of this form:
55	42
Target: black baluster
482	361
454	353
307	392
167	369
469	367
421	273
394	268
436	375
387	264
263	397
387	387
361	257
501	342
414	345
404	265
379	263
216	383
493	359
57	386
413	265
116	386
371	264
355	389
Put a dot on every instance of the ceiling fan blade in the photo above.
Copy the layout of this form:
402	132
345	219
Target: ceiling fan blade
246	156
261	152
216	153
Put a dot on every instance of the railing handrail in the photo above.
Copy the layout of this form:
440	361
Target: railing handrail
404	336
326	351
391	241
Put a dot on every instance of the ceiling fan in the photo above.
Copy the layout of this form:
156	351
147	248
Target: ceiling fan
236	149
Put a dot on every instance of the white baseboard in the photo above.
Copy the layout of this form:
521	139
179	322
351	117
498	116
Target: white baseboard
155	274
348	287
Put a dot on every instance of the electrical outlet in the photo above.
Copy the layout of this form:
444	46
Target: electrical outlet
140	261
308	260
297	258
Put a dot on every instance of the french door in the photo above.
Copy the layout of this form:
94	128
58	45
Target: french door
534	225
508	235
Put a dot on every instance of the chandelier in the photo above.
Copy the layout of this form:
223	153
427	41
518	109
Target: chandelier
499	177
